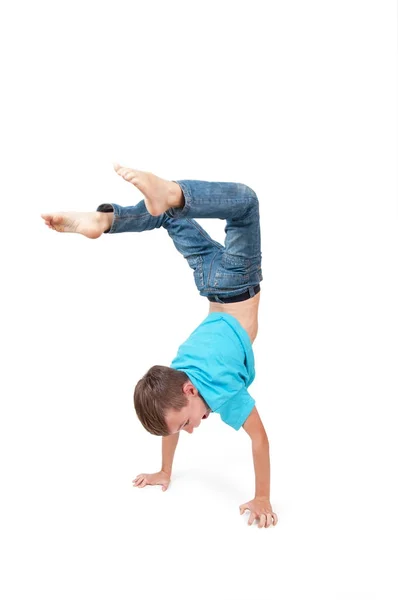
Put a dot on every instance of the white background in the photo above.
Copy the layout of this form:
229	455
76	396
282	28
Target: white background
298	101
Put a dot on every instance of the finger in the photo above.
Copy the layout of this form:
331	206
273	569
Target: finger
252	517
268	520
143	483
139	480
164	487
116	166
275	517
263	520
242	508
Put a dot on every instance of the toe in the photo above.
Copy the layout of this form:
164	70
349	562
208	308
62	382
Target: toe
47	218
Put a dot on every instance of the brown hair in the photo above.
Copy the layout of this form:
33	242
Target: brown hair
157	391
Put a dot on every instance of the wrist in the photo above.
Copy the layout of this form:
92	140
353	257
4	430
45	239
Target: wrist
166	471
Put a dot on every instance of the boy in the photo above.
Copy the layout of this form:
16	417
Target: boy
215	365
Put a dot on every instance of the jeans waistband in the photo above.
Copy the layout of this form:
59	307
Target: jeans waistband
249	293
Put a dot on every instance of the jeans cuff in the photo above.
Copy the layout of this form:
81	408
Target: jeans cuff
107	208
176	213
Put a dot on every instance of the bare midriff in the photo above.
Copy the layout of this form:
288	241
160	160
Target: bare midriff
245	312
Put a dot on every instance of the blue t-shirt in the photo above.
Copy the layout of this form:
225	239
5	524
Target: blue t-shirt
218	359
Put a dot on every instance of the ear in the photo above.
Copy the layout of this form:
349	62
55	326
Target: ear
189	389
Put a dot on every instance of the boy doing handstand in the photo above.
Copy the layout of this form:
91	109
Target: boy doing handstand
215	365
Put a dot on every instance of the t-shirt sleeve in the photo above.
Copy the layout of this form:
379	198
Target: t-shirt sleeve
235	410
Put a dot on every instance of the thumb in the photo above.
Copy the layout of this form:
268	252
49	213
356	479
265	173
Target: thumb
164	487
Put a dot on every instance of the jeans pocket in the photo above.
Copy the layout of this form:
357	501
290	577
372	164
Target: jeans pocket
233	271
196	263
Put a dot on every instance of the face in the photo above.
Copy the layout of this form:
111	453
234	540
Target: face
191	416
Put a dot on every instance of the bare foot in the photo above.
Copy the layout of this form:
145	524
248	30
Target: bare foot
159	194
90	224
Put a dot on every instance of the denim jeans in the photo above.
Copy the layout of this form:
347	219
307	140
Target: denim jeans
219	271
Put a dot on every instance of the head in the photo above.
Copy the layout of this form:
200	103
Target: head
166	401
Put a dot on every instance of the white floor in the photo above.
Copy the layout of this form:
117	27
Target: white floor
298	102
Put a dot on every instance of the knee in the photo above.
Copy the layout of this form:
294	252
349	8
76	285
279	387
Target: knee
250	194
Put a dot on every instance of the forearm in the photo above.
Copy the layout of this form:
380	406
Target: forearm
169	444
260	448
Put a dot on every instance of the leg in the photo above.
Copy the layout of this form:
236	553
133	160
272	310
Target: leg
234	202
190	239
173	205
188	236
234	274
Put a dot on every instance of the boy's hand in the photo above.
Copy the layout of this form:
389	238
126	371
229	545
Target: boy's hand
260	508
161	478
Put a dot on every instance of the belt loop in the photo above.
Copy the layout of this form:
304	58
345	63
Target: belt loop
251	292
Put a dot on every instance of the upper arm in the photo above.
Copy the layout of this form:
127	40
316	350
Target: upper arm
254	426
236	408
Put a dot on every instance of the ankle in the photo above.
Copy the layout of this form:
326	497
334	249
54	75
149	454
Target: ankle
106	220
177	199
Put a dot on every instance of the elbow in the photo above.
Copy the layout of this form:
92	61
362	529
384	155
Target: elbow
260	440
